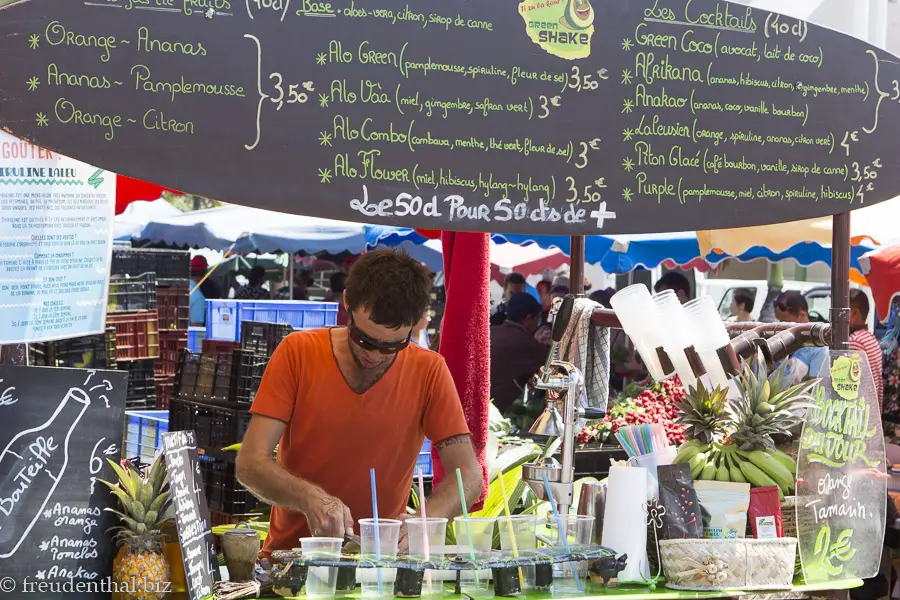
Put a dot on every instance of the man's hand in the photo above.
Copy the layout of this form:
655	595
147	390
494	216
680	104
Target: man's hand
403	543
328	517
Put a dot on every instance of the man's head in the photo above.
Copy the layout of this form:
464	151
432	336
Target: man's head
543	289
513	284
338	282
791	307
742	300
859	308
523	308
257	277
386	295
675	282
198	267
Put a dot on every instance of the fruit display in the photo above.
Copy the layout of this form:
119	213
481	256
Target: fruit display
734	440
142	567
645	402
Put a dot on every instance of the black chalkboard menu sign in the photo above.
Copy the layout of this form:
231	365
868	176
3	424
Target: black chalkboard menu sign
201	567
533	116
59	428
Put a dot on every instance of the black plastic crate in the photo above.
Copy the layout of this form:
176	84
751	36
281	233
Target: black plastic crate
86	352
167	264
263	338
216	425
247	372
224	493
131	294
141	391
203	377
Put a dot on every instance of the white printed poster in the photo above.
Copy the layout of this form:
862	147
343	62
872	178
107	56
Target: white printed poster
56	226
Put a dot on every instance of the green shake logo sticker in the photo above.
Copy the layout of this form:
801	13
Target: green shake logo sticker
561	27
846	372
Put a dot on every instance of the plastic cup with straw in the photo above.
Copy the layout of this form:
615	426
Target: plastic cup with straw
563	534
425	544
377	533
509	525
465	511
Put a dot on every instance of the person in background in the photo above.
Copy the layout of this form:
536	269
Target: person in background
198	293
340	401
676	282
338	284
513	284
543	289
862	340
516	355
807	362
302	281
254	289
419	335
742	301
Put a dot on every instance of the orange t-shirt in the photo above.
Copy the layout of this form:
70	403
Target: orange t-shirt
334	435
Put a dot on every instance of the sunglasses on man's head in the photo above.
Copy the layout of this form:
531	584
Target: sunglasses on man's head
366	343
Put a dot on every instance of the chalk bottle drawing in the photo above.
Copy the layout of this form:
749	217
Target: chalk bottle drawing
31	466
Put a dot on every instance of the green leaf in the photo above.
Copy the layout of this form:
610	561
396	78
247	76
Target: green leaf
124	479
516	456
159	502
493	505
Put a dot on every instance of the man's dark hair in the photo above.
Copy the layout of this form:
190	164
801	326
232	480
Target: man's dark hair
544	286
338	282
602	297
745	297
674	281
257	276
792	302
395	288
860	302
514	279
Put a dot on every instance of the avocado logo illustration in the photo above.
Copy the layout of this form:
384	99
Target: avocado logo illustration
563	28
846	373
579	15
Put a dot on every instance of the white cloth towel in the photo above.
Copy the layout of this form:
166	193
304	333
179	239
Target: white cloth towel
587	347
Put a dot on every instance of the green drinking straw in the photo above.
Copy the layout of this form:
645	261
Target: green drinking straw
465	510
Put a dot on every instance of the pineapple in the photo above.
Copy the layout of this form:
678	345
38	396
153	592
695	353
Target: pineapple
703	415
766	406
142	569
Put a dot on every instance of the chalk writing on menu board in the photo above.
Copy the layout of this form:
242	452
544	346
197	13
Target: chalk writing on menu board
537	116
191	513
841	479
54	445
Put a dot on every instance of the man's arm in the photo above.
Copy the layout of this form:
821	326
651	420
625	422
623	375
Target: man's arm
272	483
456	453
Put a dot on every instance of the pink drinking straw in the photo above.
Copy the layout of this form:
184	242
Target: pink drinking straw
424	528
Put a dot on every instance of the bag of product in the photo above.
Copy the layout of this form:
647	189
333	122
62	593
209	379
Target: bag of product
724	508
765	513
676	494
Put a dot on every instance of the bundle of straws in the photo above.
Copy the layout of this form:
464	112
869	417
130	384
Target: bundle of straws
639	440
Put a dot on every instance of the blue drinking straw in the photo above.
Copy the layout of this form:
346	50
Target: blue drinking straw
563	535
377	534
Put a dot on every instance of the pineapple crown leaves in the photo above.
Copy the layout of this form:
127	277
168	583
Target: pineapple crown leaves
143	500
704	415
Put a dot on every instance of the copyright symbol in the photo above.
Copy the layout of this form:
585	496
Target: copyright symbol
7	585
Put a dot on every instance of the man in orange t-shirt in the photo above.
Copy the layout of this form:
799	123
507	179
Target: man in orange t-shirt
341	401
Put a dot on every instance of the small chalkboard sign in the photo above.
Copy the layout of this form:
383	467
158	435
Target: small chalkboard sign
841	478
191	513
59	427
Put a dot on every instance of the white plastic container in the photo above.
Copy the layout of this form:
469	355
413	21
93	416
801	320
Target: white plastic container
640	319
675	335
709	334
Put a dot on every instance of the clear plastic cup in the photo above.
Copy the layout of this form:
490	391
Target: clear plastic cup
427	539
520	528
474	539
639	317
388	539
666	456
321	581
570	577
675	335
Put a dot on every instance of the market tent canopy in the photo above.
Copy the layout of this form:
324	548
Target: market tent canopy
254	230
871	225
624	253
137	214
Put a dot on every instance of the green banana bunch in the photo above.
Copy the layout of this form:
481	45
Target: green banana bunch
697	464
689	450
789	463
773	468
757	478
722	473
759	468
735	471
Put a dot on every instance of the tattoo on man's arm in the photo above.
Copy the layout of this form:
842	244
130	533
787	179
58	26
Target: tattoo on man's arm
456	439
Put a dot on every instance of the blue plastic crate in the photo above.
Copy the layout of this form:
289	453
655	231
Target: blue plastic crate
224	317
424	461
195	339
143	433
